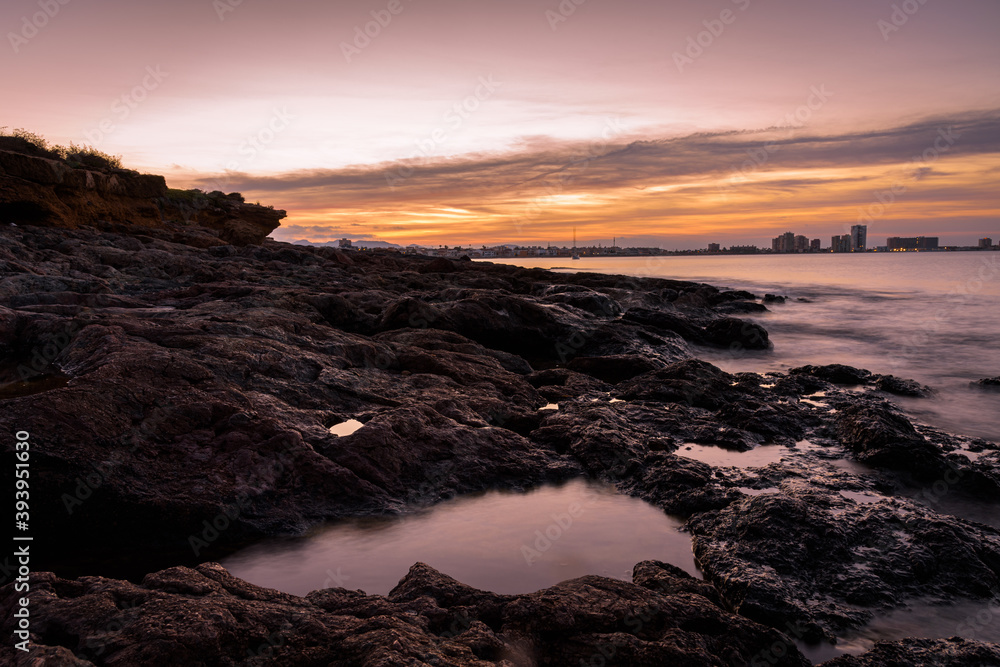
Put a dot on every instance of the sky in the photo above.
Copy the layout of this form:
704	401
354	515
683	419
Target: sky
673	123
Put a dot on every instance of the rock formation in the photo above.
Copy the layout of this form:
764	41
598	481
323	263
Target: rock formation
180	374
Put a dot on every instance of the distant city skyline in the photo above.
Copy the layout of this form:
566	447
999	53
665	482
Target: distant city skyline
623	242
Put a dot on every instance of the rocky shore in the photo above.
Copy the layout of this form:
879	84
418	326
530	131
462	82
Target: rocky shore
179	375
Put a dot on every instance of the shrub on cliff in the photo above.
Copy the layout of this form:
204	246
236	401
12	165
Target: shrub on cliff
78	157
88	157
28	143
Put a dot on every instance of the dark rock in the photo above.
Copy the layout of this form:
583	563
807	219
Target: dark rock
207	616
901	387
666	578
736	334
732	295
741	308
774	298
987	383
668	321
693	382
184	376
615	368
836	373
790	557
48	191
880	436
439	265
954	652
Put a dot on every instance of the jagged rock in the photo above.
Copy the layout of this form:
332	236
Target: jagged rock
439	265
668	321
881	436
836	373
954	652
693	382
901	387
613	368
733	333
741	308
189	381
207	616
44	191
987	383
790	557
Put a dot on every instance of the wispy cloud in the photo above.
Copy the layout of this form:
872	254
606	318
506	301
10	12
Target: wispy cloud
647	185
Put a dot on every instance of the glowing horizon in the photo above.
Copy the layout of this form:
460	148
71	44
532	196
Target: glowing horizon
673	124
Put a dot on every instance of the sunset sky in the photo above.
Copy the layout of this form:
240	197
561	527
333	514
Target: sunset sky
673	123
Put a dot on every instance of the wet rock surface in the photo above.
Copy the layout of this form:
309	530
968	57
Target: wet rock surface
190	616
954	652
188	391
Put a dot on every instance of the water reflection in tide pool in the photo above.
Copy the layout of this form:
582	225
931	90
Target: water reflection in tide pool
485	540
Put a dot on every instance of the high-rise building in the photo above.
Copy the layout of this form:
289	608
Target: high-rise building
986	243
784	243
815	245
714	247
801	243
787	242
840	243
859	238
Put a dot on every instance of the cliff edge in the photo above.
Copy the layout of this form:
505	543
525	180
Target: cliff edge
50	192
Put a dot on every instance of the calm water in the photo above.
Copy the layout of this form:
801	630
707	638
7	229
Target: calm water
500	541
932	317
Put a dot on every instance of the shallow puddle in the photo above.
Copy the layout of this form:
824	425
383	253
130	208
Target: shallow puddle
500	541
746	490
757	457
346	428
35	385
861	498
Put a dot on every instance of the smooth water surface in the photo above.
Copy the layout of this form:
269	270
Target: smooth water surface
931	317
500	541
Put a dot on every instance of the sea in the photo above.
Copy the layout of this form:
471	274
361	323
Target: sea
933	317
